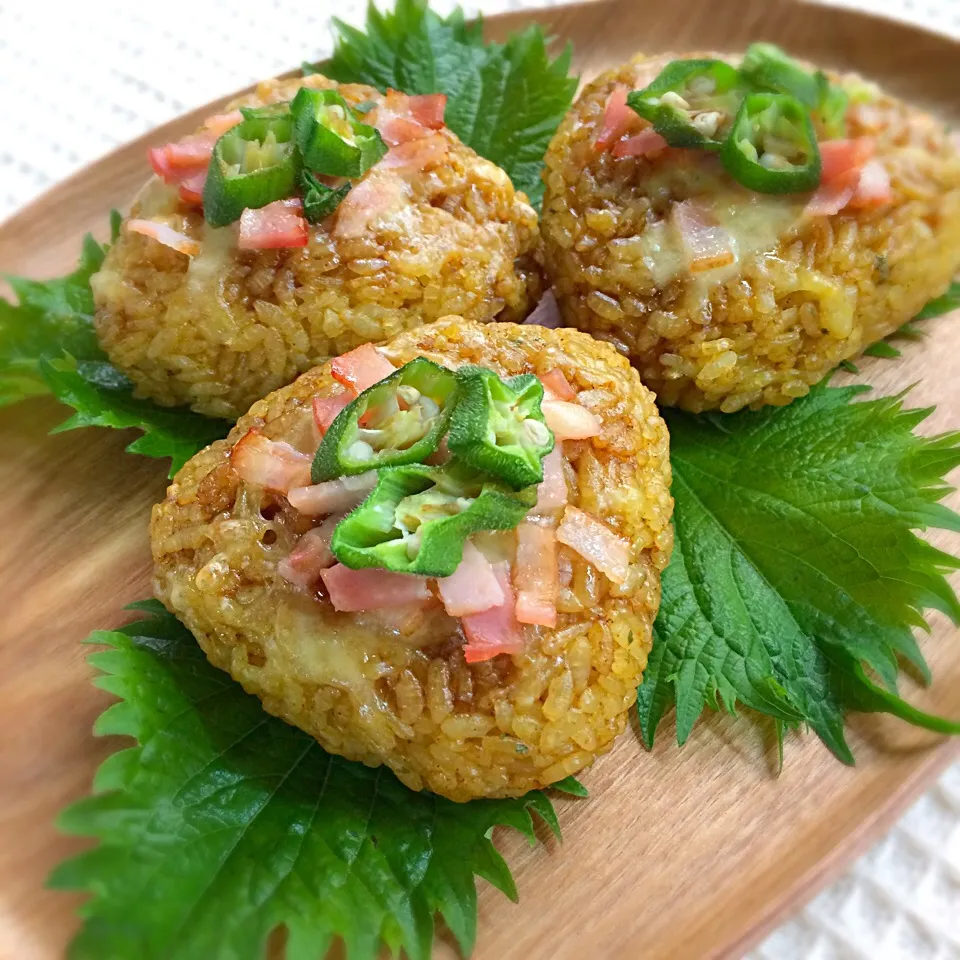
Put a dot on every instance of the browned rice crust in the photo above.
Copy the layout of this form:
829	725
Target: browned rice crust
226	329
405	696
823	292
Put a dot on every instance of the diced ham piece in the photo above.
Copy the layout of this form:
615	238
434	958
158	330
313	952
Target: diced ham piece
552	492
353	590
220	123
325	410
850	177
428	109
839	156
707	244
416	155
161	165
165	234
273	464
277	226
646	142
496	630
311	555
535	574
332	496
618	118
596	543
570	421
472	587
191	188
547	312
556	386
379	195
873	188
831	197
191	151
401	119
361	368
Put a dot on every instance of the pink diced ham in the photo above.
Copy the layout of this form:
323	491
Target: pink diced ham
332	496
325	410
361	368
596	543
535	574
472	587
557	386
277	226
351	591
165	234
552	492
310	556
273	464
496	630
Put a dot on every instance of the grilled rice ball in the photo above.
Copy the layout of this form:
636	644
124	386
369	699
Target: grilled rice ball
387	688
805	293
222	329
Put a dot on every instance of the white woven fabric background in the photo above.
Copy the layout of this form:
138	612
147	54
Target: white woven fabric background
77	80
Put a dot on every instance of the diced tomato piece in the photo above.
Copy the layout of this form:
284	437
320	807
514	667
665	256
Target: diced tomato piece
473	587
332	496
278	225
645	142
552	493
416	155
570	421
361	368
873	188
558	385
596	543
496	630
353	590
311	555
325	410
839	156
428	109
269	463
165	234
618	118
535	574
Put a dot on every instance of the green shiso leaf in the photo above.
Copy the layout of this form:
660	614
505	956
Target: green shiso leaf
797	576
223	823
941	305
909	331
48	345
503	100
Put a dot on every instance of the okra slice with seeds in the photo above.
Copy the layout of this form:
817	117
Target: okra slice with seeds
399	420
498	426
418	518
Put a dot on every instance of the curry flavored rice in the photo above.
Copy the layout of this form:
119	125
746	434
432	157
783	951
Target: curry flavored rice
810	291
221	330
400	693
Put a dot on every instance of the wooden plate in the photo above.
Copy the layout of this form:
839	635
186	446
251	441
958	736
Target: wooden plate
679	854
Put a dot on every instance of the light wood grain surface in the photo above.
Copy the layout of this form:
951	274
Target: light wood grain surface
678	854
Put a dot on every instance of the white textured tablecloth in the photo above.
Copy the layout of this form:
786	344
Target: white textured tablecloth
77	80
